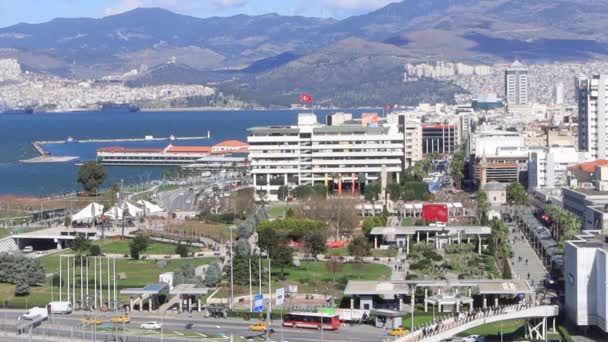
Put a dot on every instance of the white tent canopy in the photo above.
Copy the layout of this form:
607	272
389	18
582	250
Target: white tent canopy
150	208
117	211
88	213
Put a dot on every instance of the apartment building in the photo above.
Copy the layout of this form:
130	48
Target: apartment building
548	167
591	95
339	154
585	273
516	84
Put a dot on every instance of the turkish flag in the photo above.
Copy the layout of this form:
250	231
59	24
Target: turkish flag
305	98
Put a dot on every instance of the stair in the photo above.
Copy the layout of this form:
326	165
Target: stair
8	245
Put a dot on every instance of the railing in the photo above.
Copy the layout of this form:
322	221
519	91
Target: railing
436	331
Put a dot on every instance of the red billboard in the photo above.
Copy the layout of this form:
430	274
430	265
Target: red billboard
435	212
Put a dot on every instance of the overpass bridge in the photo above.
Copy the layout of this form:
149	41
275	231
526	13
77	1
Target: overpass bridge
535	315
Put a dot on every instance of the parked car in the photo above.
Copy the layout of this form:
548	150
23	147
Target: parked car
151	326
473	338
28	249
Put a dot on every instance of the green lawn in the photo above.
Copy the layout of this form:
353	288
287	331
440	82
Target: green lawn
421	318
383	253
138	274
122	247
337	252
276	211
313	277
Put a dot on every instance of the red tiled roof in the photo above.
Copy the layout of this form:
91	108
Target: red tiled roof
589	166
115	149
188	149
230	143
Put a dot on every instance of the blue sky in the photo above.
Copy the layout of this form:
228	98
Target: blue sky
36	11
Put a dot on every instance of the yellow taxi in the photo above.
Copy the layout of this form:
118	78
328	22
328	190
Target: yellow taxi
258	327
398	332
92	320
120	319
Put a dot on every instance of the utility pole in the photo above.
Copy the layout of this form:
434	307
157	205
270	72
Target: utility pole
68	287
268	311
260	273
81	285
250	289
60	279
95	281
231	272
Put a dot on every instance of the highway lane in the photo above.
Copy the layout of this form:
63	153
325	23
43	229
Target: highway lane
226	327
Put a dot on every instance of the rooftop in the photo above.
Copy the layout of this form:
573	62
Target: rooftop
403	287
187	149
412	230
589	166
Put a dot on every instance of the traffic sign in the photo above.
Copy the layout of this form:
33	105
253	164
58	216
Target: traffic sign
258	303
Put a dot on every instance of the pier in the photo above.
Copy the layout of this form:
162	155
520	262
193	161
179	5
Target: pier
37	145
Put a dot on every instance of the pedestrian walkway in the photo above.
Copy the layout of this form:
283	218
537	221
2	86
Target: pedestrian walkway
525	264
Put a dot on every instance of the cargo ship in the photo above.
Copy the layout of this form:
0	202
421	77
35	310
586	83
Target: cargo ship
119	107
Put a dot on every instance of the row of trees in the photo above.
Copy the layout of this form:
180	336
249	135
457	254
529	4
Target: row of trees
409	191
500	248
565	224
21	271
246	228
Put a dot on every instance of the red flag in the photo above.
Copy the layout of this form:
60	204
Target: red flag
305	98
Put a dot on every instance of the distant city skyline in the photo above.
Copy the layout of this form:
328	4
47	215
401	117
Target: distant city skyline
37	11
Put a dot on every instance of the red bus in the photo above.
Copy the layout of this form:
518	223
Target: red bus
311	320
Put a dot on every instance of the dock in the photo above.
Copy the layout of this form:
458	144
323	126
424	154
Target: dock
37	145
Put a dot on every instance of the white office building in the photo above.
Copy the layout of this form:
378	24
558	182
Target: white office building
592	119
548	167
585	274
516	84
338	155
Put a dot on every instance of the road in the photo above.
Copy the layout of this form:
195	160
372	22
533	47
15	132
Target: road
205	326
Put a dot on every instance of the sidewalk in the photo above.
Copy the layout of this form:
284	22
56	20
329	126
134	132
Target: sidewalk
521	269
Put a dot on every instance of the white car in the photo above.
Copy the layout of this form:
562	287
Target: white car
151	326
473	338
28	249
34	313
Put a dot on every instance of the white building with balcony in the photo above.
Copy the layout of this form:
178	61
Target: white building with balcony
339	155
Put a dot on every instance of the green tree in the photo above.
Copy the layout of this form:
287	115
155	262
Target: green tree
372	192
242	248
483	207
138	246
516	194
372	222
334	266
91	176
315	243
22	288
213	276
359	247
81	244
94	250
182	250
302	191
281	257
319	189
394	190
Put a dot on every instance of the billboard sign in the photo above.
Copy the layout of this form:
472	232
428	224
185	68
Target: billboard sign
258	303
435	212
280	296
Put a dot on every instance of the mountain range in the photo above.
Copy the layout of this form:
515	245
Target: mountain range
268	59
